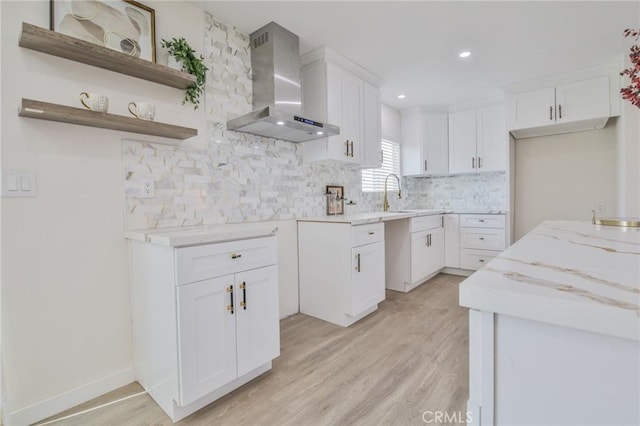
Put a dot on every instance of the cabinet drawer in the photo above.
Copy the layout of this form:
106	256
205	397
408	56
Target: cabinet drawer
365	234
482	220
213	260
481	238
422	223
476	259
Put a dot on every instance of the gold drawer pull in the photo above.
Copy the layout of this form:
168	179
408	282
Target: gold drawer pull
236	256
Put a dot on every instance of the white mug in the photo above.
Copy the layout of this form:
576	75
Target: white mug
94	101
142	110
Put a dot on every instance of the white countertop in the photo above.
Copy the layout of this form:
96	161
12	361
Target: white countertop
196	235
572	274
371	217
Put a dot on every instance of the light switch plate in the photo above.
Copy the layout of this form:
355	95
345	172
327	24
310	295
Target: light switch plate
19	184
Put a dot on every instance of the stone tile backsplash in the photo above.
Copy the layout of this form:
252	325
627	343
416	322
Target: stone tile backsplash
229	177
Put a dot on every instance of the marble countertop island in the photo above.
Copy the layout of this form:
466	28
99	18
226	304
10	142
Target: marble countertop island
572	274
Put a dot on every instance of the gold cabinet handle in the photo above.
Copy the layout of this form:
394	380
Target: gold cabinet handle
551	113
560	110
243	287
358	264
230	306
236	256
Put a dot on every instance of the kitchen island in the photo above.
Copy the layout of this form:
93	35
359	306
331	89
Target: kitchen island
554	333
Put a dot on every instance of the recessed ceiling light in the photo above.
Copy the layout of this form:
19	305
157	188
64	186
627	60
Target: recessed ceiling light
280	123
319	133
465	54
402	96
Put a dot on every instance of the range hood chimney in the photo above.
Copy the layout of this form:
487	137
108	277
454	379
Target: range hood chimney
277	90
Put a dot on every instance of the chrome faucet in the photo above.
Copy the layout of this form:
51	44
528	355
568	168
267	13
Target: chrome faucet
385	204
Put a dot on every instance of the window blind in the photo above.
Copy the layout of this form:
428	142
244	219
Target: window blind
373	179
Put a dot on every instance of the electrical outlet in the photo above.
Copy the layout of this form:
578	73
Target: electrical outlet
600	207
147	188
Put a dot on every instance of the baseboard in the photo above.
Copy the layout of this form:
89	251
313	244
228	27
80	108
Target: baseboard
457	271
58	403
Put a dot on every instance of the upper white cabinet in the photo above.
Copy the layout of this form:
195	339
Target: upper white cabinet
424	143
340	92
372	136
570	105
477	140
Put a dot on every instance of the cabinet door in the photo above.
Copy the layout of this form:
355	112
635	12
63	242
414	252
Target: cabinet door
583	100
206	337
412	145
462	141
436	143
352	116
367	278
532	109
372	130
419	255
337	146
491	139
435	251
451	241
344	103
257	319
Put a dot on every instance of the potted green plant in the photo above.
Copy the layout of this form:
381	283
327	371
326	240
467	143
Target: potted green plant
179	49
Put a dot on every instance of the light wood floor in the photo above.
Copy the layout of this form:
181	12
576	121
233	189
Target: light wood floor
408	357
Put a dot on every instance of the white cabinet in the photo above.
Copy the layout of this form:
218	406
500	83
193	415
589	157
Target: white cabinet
580	105
482	237
341	270
206	319
341	93
415	251
372	131
451	240
207	338
477	140
424	143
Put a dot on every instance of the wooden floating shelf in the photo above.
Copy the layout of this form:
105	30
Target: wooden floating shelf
64	46
103	120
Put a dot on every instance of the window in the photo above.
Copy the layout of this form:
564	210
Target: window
373	179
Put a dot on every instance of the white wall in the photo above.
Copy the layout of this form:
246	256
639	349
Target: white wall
628	161
391	124
66	323
563	177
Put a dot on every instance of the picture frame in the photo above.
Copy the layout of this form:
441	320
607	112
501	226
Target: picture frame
335	199
122	25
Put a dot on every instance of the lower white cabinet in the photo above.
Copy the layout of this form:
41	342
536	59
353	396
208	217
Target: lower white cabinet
415	251
482	237
451	240
206	319
341	270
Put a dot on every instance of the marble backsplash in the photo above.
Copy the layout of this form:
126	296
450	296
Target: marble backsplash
229	177
482	191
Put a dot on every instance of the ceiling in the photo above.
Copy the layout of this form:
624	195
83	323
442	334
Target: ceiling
413	46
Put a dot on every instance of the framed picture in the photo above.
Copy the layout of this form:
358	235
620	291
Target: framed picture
122	25
335	199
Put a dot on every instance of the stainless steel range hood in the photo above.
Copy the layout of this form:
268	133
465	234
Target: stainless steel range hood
277	90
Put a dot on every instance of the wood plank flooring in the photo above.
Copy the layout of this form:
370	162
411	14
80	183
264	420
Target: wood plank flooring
408	357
